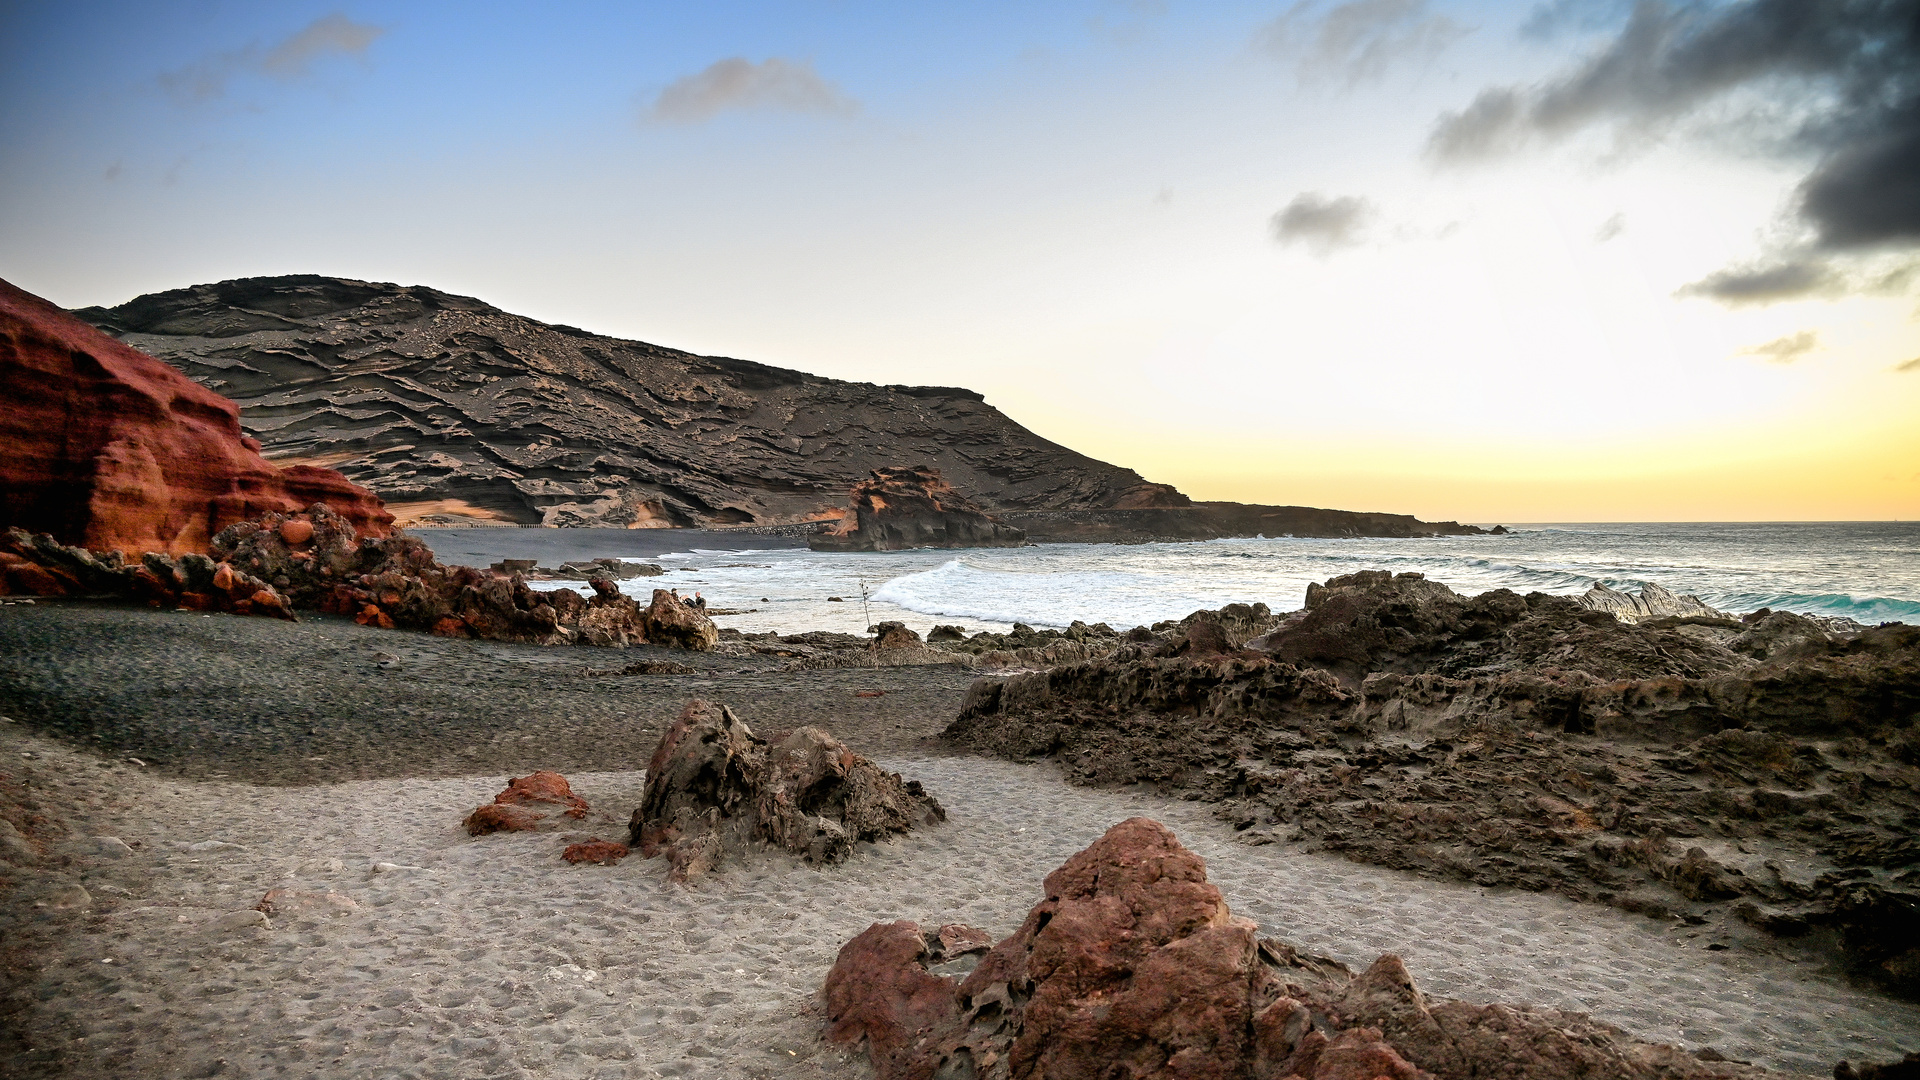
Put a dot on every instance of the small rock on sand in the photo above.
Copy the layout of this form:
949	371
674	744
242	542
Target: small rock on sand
242	920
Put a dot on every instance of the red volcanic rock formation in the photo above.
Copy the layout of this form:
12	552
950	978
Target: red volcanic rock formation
602	852
529	803
911	508
112	450
1133	967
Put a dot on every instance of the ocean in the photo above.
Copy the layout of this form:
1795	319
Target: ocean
1868	571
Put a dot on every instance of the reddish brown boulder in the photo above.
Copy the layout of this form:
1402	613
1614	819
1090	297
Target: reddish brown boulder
493	818
714	788
538	801
112	450
667	621
911	508
601	852
1133	967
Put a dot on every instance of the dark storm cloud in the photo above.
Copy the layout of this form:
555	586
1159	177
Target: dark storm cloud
290	58
1322	224
738	83
1835	80
1359	39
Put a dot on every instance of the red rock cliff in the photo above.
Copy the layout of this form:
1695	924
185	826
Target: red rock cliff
110	449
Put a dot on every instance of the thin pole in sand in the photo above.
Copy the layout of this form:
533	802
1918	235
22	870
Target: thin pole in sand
867	613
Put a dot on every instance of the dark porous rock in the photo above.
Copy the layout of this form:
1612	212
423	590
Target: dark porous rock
894	635
946	632
1907	1068
616	569
542	800
715	790
1527	742
1134	966
896	509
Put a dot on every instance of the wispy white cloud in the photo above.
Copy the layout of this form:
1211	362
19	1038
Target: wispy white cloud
739	83
1359	39
288	59
1787	349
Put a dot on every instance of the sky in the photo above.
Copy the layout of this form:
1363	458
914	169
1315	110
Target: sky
1572	260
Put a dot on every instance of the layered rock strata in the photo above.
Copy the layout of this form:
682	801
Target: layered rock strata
900	508
1747	776
111	450
451	409
715	791
1133	966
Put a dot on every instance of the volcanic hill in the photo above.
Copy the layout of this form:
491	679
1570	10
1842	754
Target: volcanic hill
450	408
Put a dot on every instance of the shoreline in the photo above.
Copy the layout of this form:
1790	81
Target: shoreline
490	956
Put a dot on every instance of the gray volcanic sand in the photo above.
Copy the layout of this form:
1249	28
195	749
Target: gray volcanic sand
481	957
323	699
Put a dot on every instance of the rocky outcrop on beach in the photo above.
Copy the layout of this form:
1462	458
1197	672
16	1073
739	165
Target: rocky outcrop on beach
541	800
1134	966
715	791
1654	602
396	582
109	449
314	560
451	409
39	565
1752	776
899	508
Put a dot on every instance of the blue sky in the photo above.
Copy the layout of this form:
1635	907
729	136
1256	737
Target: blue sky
1238	247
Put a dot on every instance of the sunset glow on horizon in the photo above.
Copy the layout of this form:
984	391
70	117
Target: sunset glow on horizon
1478	261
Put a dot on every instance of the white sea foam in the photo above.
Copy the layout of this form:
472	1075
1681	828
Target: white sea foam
1868	572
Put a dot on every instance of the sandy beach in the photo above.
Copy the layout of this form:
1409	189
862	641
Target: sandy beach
412	949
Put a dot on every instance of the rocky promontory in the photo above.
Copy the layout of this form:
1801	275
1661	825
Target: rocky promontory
1758	777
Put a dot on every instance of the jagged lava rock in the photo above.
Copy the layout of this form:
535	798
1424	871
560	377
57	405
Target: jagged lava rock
449	408
42	566
1529	742
1133	966
112	450
715	790
1654	602
541	800
898	508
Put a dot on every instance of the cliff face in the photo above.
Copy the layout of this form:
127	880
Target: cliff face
895	509
112	450
449	408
